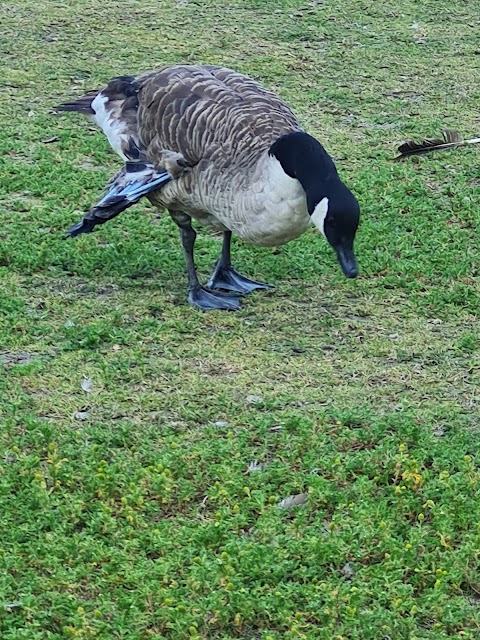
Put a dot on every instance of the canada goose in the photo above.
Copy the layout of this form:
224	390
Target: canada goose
209	143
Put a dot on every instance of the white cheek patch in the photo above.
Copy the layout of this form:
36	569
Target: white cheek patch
319	214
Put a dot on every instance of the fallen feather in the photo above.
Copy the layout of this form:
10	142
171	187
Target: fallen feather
87	385
255	465
293	501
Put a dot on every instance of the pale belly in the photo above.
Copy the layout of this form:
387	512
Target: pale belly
273	228
269	213
265	224
261	229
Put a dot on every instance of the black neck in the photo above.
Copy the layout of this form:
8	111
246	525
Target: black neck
302	157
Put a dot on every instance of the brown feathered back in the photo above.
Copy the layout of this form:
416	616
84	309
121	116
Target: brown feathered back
210	113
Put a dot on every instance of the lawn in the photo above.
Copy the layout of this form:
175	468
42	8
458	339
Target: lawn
145	446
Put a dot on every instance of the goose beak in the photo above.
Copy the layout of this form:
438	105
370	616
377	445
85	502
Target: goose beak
347	261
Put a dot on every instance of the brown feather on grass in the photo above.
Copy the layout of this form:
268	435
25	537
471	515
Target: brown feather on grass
449	140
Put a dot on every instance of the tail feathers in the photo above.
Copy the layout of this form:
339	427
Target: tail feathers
134	181
81	105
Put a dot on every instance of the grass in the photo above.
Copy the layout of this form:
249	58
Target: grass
129	420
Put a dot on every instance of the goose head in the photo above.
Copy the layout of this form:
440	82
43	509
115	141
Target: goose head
337	216
332	207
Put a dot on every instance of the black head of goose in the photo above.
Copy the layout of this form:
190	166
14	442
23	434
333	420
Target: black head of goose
331	205
212	144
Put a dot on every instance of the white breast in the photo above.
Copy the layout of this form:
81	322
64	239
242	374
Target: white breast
113	128
276	206
265	207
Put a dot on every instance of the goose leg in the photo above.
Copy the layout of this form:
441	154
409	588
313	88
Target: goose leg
224	275
199	296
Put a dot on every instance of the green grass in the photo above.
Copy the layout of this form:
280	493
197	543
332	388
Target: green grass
127	508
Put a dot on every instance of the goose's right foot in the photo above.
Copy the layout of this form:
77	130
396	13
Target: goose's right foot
229	279
206	300
224	275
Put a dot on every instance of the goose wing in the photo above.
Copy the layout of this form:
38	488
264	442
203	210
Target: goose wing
131	183
193	110
114	109
209	113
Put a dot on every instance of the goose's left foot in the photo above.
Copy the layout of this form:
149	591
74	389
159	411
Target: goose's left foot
225	277
206	300
199	296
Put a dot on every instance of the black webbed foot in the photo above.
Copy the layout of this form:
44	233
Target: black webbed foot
227	278
206	300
